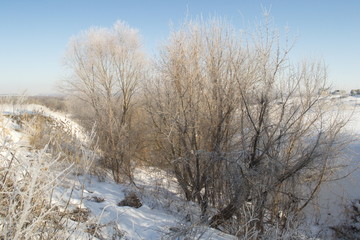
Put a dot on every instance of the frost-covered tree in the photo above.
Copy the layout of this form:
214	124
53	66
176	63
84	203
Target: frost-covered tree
106	67
238	125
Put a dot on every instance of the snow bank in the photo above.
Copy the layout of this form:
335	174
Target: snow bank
71	125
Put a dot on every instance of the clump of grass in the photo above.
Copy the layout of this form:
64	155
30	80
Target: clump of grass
131	200
79	214
26	186
45	131
40	130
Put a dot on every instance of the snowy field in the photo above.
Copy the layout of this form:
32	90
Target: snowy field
343	187
163	215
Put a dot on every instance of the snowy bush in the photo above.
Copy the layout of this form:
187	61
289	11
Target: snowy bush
26	187
36	154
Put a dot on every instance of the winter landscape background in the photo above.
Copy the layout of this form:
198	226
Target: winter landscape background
181	120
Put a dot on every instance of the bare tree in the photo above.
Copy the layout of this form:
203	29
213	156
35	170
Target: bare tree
192	104
238	124
107	66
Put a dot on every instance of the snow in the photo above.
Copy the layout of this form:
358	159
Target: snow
142	223
150	221
343	187
63	119
162	215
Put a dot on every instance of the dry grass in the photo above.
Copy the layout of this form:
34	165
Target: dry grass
45	131
25	197
29	178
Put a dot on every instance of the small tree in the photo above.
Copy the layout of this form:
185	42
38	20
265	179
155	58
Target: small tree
107	66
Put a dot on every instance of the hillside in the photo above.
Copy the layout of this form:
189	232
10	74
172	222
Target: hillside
77	202
46	195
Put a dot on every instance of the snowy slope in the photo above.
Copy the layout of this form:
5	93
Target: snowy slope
72	126
150	221
90	203
164	215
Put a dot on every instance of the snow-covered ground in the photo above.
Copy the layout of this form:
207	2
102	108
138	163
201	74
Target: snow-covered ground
328	209
91	202
152	220
164	214
62	118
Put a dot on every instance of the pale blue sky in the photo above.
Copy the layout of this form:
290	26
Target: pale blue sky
34	34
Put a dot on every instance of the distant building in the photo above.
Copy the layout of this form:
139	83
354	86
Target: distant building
339	92
354	92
